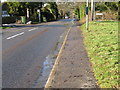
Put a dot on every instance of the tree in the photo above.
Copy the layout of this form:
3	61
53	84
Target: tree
109	9
47	14
112	6
77	12
52	6
21	8
107	6
33	7
13	7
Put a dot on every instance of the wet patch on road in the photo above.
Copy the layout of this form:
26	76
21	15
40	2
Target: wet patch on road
48	64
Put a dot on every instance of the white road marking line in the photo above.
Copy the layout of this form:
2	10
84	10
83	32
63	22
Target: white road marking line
32	29
15	35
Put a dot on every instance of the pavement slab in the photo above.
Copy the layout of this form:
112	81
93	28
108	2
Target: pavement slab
74	69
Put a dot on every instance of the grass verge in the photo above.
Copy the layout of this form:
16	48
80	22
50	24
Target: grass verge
101	42
5	27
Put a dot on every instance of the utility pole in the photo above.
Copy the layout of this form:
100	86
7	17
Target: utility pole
87	15
0	14
92	10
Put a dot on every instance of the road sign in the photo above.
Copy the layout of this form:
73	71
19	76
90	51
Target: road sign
99	14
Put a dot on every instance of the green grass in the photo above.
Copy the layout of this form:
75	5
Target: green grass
35	22
5	27
101	42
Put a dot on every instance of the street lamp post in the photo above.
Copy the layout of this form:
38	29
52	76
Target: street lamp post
39	15
28	13
39	12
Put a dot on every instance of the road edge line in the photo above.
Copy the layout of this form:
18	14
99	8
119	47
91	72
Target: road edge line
47	85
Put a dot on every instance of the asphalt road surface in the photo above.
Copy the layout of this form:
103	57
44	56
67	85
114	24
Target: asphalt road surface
25	49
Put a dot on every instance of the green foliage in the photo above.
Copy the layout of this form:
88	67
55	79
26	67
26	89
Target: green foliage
82	11
48	16
17	8
101	7
113	6
102	45
13	7
77	12
107	6
20	9
53	9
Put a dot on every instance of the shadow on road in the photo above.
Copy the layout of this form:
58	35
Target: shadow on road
45	25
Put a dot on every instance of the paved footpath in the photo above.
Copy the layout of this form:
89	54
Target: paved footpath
74	69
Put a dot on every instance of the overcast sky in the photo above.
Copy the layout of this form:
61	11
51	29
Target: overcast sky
3	0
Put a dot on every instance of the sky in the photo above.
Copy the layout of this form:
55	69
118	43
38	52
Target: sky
3	0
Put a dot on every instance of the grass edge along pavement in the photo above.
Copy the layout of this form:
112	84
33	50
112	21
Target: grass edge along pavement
5	27
101	42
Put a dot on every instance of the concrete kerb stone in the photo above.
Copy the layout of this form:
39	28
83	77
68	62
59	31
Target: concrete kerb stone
51	76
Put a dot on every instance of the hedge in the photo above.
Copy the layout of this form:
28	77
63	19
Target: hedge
8	20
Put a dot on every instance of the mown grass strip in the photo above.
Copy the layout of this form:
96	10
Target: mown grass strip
5	27
101	42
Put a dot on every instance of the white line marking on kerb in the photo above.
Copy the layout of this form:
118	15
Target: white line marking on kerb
15	35
32	29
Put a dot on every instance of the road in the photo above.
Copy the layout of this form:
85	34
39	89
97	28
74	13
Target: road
25	49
